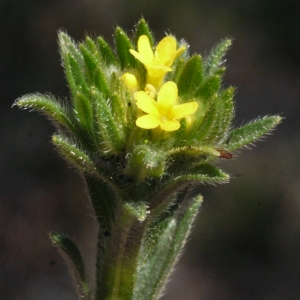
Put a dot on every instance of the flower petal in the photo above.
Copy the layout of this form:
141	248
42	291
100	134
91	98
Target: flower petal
146	103
170	125
140	57
183	110
167	97
179	52
165	51
144	48
147	122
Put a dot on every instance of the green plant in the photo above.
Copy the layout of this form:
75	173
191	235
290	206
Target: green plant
144	128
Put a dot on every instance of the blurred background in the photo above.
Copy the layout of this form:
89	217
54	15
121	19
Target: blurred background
246	240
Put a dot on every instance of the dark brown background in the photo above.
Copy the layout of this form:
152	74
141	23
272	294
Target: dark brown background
246	241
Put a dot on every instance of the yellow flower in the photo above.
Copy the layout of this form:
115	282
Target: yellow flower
159	62
164	112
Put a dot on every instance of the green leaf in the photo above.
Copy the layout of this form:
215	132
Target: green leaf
202	130
67	46
208	88
177	69
213	63
90	60
224	109
93	67
250	132
191	76
106	52
181	159
73	258
168	244
143	29
74	155
49	106
123	45
111	135
76	76
163	195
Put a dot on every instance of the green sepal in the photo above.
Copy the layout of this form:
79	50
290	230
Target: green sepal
191	76
73	63
208	88
67	46
145	161
202	130
250	132
213	63
177	69
74	155
224	112
91	45
83	111
94	69
143	29
106	52
167	243
123	45
55	111
76	77
73	258
90	60
111	136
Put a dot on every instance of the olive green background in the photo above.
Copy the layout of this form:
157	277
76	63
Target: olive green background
246	240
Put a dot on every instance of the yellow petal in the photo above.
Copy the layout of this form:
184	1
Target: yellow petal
146	103
147	122
167	97
165	51
179	52
170	125
140	57
183	110
144	47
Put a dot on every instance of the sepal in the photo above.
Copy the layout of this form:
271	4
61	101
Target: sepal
123	45
191	76
142	28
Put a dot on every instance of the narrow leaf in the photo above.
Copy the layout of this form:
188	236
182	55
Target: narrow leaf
183	229
166	239
73	258
213	63
111	135
74	155
123	45
250	132
49	106
224	109
106	52
143	29
208	88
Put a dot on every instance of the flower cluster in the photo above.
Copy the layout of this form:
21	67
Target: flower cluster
158	100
